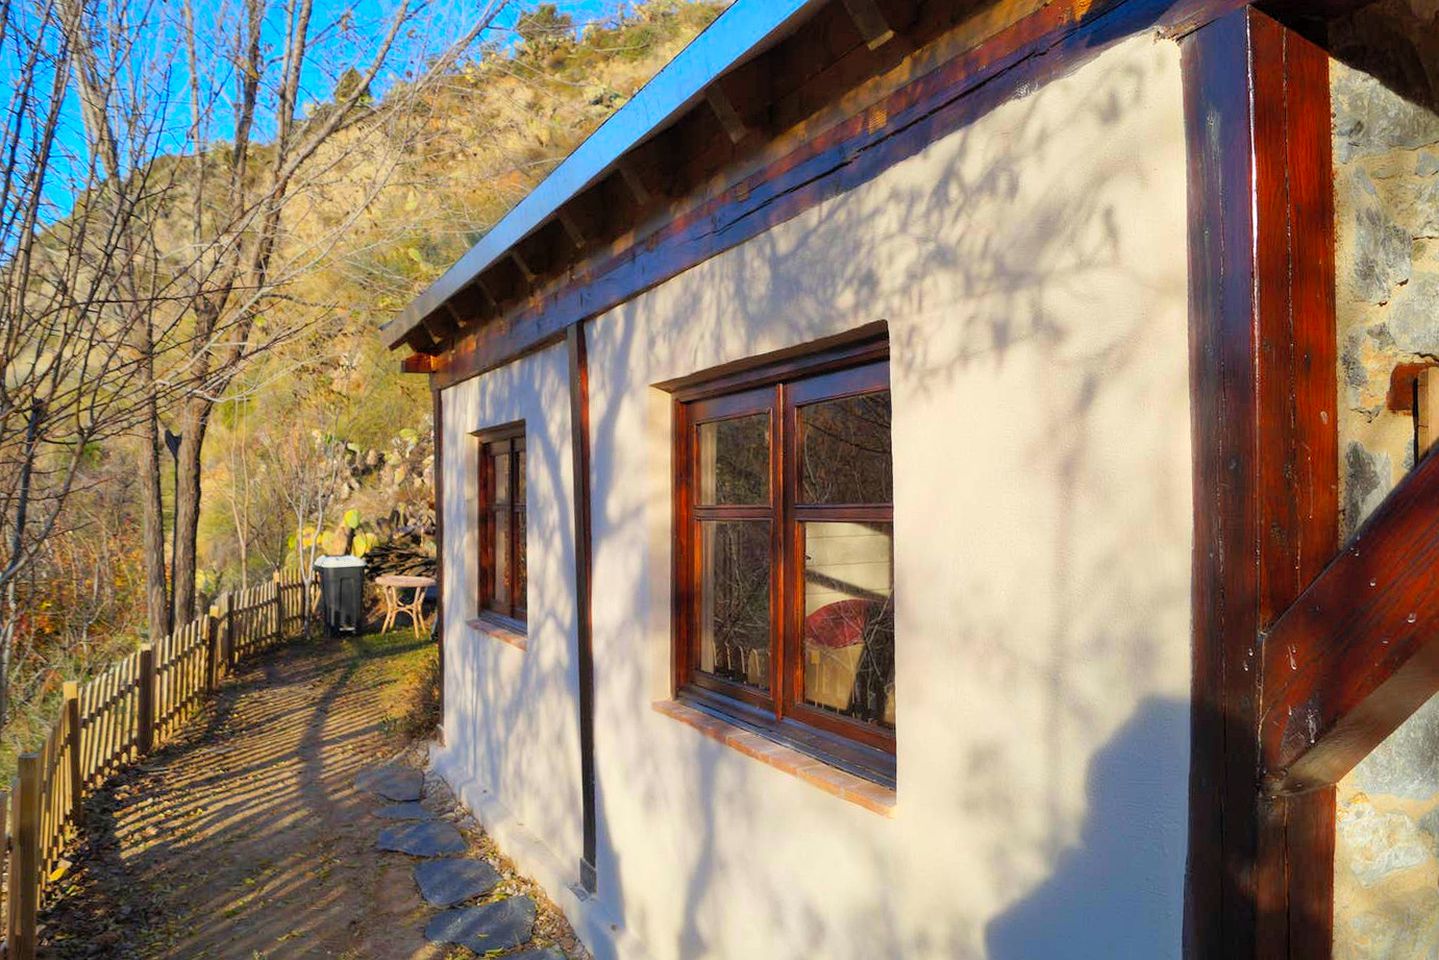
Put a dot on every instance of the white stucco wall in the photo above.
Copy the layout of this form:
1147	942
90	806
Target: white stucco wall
511	719
1032	269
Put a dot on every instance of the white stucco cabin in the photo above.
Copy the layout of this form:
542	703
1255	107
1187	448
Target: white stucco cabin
853	482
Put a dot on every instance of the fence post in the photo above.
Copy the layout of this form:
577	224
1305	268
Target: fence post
7	860
25	861
72	734
147	698
212	648
277	630
229	631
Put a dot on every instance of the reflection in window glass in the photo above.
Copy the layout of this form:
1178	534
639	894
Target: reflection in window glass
501	474
500	587
844	450
734	460
519	577
849	620
734	620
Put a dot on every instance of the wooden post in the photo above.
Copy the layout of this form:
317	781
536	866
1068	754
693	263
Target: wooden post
229	631
72	735
585	658
1426	428
6	859
279	631
147	698
1259	879
212	648
438	472
25	861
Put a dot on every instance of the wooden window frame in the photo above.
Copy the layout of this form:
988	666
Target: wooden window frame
513	613
777	388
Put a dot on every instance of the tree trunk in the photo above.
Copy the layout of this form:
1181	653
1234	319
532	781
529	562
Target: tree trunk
157	598
193	424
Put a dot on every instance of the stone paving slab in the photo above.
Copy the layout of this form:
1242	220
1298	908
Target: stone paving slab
538	953
447	882
404	811
392	782
490	926
425	838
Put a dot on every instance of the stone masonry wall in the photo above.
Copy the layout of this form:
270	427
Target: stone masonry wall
1386	179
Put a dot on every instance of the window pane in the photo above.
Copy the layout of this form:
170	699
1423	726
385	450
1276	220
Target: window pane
520	476
849	620
500	584
844	450
734	460
734	601
502	478
520	581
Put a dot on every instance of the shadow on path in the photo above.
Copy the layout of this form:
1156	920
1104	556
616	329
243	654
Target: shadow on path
245	837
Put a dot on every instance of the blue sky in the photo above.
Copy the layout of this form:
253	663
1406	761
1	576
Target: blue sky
157	68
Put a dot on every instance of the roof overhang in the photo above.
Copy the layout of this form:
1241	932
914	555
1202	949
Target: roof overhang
746	29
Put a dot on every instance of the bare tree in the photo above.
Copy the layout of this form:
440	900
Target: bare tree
69	376
250	244
257	147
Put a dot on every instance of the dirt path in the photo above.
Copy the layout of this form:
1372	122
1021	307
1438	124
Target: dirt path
247	839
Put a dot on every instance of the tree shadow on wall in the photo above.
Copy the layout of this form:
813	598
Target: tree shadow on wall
1114	894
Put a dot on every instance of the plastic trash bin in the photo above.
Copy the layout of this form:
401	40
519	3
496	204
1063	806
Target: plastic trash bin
342	593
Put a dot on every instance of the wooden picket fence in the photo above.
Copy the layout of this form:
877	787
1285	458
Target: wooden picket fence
115	719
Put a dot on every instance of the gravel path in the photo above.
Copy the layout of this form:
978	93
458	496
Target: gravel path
247	837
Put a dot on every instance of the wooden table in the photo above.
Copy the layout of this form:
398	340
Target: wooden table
390	586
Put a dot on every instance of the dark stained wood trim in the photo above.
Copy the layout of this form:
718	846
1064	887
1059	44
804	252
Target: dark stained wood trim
438	472
1361	641
584	610
1262	350
1054	40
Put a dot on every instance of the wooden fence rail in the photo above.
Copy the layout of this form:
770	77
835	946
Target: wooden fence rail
118	716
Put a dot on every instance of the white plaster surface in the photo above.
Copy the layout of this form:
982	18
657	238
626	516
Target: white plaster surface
1032	269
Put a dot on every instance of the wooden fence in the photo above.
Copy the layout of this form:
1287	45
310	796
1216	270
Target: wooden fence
116	718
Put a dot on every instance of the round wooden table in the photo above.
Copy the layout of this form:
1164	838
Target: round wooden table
390	586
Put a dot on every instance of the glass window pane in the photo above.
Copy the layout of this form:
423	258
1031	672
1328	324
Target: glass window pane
520	581
734	460
844	450
500	582
520	476
849	620
502	478
734	601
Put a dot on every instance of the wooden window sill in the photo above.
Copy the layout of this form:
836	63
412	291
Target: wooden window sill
499	631
846	786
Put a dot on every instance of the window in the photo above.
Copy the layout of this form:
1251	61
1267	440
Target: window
502	524
784	557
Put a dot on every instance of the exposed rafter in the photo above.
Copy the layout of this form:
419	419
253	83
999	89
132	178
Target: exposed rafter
871	22
726	114
572	229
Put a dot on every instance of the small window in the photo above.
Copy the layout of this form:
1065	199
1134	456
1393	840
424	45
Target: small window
502	524
785	554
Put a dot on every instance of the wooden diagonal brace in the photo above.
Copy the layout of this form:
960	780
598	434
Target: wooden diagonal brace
1372	617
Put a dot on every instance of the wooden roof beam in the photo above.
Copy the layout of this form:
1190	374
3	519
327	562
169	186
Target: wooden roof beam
635	183
419	363
725	113
519	261
572	228
870	21
437	328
